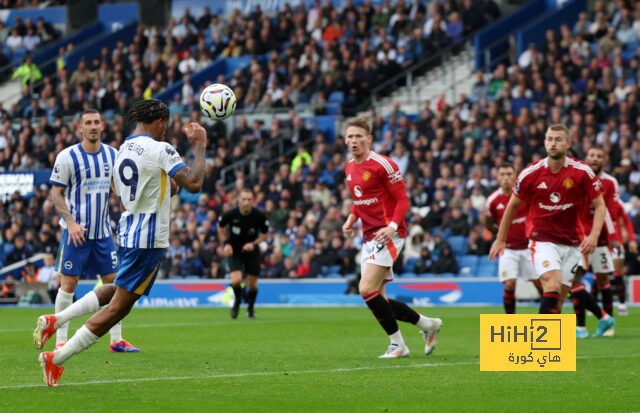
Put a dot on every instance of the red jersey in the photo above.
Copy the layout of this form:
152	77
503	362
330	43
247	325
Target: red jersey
494	208
621	213
557	199
585	223
379	194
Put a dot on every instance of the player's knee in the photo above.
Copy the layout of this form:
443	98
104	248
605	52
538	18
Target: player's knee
602	278
105	293
510	285
366	290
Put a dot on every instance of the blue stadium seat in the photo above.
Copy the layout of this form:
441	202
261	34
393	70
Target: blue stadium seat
192	277
487	268
336	97
410	265
428	275
334	275
447	274
175	277
467	265
407	275
458	244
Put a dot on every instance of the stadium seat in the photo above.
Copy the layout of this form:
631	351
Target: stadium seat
427	275
407	275
336	97
467	265
411	263
447	274
458	244
334	275
175	277
486	268
192	277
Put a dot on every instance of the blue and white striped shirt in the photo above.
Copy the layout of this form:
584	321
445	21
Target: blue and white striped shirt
87	179
143	170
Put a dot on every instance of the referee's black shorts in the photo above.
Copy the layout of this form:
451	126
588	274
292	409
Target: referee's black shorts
247	262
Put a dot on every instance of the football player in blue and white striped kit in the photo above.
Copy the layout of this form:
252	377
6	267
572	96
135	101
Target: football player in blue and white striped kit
81	179
143	168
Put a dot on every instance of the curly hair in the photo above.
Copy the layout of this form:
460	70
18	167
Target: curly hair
147	111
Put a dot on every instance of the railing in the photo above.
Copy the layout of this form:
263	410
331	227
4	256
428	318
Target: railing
408	74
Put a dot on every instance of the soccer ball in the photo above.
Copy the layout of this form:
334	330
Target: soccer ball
217	101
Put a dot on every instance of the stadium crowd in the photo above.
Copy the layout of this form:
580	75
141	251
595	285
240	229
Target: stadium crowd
448	152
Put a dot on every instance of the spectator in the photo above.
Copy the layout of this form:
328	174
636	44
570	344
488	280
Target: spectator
28	73
446	262
9	286
424	264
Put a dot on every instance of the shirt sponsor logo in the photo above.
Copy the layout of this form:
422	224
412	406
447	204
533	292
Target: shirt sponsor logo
365	201
358	191
568	183
554	197
555	207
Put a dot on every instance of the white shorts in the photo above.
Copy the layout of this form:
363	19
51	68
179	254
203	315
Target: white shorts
514	262
382	255
600	260
548	256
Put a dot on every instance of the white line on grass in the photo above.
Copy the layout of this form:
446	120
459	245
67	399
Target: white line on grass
282	373
161	325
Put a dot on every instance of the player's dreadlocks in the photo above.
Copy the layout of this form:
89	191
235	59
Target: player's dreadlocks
147	111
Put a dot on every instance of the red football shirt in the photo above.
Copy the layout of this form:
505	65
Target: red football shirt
609	193
494	208
379	194
557	199
621	213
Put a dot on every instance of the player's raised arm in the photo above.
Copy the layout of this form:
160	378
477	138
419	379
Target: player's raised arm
500	242
191	177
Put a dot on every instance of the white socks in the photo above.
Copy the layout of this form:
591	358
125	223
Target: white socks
81	340
396	338
424	322
87	304
63	300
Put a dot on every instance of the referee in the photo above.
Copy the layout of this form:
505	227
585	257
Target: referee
241	246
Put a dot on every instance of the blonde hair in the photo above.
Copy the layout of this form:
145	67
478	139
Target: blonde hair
361	122
558	127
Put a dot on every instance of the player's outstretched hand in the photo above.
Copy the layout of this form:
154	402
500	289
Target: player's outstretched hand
196	134
496	249
76	234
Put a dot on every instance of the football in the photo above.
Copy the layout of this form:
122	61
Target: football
217	101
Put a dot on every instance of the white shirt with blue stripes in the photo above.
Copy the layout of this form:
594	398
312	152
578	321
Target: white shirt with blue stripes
87	179
142	171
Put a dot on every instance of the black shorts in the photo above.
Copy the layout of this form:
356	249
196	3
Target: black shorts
247	262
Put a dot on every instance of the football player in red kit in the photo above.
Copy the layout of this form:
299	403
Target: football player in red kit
380	201
556	187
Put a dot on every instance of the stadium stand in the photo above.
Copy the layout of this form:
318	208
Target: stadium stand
585	74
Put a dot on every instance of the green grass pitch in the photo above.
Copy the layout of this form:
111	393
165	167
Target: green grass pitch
308	360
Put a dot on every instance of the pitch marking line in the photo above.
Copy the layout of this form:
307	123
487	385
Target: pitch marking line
282	373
